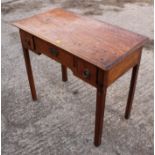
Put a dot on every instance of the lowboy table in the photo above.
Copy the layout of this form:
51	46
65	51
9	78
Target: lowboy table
96	52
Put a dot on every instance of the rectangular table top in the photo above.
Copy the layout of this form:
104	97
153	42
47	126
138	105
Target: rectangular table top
99	43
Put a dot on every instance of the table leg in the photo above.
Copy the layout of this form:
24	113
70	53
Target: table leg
29	73
100	105
131	91
64	73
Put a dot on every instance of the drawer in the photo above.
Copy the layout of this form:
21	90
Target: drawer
27	40
86	72
53	52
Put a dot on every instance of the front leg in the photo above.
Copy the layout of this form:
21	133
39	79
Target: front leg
64	73
29	73
100	105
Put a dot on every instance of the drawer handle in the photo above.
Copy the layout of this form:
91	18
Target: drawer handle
86	73
54	52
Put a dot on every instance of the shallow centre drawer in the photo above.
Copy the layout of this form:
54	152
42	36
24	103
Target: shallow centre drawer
53	52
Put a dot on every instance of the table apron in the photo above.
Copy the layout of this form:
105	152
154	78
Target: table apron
80	68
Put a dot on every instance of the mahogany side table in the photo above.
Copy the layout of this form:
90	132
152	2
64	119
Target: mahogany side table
96	52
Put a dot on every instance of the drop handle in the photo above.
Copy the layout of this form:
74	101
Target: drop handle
86	73
54	52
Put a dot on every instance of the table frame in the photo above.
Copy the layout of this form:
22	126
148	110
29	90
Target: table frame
103	80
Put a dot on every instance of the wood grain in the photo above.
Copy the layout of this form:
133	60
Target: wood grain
96	52
81	67
122	67
45	48
100	106
99	43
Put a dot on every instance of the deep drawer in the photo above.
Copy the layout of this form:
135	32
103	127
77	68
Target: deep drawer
27	40
86	72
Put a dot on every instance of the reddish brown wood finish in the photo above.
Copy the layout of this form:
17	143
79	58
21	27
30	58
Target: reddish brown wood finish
123	66
100	105
132	91
27	40
45	48
99	43
81	67
96	52
29	73
64	73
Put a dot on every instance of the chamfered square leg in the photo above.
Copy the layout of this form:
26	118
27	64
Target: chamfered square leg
64	73
131	91
100	105
29	73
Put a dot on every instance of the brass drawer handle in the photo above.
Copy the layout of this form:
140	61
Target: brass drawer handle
54	52
86	73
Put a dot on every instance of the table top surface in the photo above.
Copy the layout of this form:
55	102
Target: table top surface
99	43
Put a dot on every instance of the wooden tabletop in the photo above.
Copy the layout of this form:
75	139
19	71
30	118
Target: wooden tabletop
99	43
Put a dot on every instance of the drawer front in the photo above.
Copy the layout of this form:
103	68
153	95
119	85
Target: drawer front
86	72
54	52
27	40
